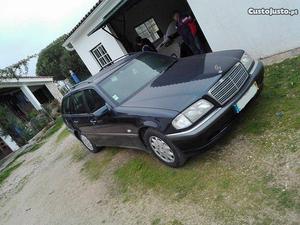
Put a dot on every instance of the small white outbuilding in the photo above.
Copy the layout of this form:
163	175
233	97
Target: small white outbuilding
22	95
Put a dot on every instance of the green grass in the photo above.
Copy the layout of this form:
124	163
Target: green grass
35	147
32	148
94	167
225	180
211	183
176	222
8	171
277	196
62	135
183	182
156	221
78	153
277	109
58	124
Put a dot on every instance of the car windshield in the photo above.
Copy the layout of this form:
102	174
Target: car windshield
130	78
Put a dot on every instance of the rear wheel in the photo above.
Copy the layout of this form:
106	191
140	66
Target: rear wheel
163	148
89	144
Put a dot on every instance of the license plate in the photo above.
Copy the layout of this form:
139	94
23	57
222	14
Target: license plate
240	105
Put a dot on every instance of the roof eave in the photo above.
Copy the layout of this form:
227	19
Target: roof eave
85	20
29	81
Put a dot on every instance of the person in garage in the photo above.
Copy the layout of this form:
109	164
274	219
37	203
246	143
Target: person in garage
187	29
144	45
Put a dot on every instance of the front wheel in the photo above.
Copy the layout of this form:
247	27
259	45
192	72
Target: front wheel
88	144
163	148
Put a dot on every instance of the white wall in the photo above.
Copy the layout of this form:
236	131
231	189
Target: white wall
227	25
53	89
84	44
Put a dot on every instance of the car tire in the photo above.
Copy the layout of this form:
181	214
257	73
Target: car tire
89	145
163	149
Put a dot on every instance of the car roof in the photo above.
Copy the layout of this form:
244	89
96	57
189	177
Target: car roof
105	72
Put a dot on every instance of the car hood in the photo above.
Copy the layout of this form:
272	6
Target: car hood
188	80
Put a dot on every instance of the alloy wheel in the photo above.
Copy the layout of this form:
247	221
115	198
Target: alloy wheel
162	149
87	142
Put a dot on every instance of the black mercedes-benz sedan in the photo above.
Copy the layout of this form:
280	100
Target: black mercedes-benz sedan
170	107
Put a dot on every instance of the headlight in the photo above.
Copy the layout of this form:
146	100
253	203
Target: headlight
192	114
247	61
181	122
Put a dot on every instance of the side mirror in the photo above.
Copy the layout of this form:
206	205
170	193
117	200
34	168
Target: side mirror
108	106
103	110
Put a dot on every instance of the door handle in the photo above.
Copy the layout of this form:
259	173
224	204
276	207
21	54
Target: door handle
93	121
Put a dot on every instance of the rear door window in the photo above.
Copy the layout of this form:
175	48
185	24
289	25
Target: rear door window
94	100
79	103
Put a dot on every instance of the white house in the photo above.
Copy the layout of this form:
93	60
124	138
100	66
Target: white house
109	29
22	95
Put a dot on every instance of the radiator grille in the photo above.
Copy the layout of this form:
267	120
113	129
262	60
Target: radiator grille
230	84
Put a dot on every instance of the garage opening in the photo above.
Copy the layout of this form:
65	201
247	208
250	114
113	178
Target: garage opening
152	20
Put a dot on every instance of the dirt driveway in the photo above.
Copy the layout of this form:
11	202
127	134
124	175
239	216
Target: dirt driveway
49	188
52	187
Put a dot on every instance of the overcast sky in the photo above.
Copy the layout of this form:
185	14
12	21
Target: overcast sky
28	26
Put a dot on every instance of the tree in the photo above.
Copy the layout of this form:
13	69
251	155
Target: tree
56	61
16	70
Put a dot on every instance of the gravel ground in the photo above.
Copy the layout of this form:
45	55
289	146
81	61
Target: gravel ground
49	188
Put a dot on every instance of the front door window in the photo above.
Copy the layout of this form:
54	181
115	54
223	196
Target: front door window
94	101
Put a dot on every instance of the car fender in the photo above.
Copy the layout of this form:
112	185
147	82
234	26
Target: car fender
149	124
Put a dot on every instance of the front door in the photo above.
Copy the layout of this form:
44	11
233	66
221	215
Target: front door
97	126
105	128
80	119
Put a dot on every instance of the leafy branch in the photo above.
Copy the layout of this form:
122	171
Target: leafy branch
16	70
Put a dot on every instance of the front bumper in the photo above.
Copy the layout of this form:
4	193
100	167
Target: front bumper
212	127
